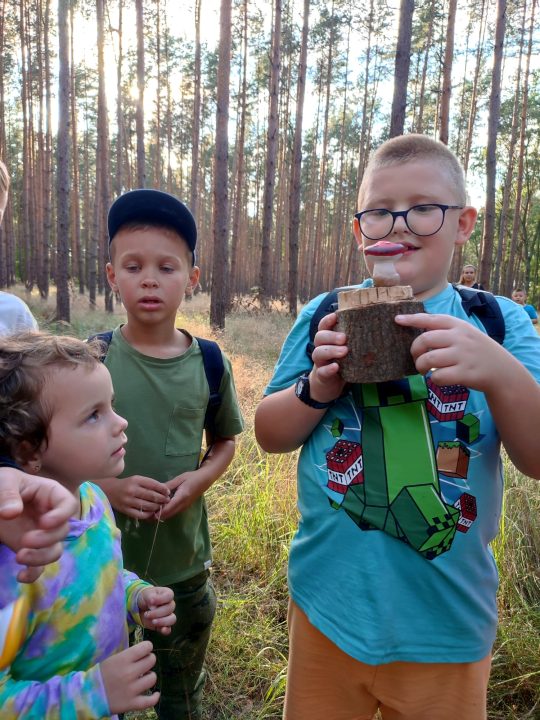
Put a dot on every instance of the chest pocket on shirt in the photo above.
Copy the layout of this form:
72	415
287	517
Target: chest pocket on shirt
184	436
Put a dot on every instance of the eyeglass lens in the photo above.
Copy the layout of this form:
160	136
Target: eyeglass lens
421	220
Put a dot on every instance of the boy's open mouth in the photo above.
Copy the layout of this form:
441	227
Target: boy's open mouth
150	300
410	248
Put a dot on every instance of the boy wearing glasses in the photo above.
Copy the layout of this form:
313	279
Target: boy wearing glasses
392	583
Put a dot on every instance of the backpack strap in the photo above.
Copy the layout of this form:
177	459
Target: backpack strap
105	339
213	369
328	304
484	305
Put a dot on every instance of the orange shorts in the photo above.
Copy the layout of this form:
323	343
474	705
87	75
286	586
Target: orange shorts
324	683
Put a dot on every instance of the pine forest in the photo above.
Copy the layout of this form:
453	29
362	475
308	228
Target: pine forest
261	117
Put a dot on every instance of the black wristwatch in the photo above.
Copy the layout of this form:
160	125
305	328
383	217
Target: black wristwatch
301	390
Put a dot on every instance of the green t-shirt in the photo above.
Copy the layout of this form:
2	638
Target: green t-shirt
164	402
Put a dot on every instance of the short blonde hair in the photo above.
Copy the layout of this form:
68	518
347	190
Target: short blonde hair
414	147
4	179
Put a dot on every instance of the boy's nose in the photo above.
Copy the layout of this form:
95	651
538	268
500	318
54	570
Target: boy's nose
400	226
149	282
121	423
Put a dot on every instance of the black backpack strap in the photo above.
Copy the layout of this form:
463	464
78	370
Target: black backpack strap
484	305
213	369
105	339
328	304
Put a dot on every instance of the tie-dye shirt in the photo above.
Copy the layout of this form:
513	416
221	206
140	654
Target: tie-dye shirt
79	607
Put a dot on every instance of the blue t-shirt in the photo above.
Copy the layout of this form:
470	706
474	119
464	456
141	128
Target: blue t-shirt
531	312
422	463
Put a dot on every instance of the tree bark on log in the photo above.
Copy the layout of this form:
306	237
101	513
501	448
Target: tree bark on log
379	348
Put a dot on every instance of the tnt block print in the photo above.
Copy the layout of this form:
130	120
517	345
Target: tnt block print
453	459
466	504
345	465
447	402
468	428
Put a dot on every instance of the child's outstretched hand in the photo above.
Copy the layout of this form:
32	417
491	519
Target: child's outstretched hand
451	348
127	677
330	346
34	514
156	607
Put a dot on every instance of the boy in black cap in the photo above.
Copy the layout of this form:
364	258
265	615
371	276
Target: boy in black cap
161	388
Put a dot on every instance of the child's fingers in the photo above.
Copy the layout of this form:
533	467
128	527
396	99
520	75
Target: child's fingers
10	502
330	338
30	574
143	702
325	354
41	539
39	556
140	651
327	372
428	321
162	616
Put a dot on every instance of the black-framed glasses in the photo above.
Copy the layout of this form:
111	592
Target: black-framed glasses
422	220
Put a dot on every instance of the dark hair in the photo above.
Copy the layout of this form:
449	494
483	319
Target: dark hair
26	358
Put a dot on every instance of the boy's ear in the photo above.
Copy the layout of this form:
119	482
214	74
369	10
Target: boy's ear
194	276
357	234
28	458
466	223
111	276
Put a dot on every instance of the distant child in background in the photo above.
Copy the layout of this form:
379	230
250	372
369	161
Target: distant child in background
160	386
14	313
468	277
520	297
56	418
392	581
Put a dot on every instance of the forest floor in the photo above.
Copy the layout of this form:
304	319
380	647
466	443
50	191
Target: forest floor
252	512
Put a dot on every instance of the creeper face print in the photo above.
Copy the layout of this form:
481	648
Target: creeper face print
390	481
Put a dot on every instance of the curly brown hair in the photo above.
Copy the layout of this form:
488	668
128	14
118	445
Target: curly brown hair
26	359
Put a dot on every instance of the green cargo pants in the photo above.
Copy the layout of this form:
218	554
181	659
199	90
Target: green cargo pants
180	656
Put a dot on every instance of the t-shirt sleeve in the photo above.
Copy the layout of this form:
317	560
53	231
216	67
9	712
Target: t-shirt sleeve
521	338
293	359
133	586
229	420
531	312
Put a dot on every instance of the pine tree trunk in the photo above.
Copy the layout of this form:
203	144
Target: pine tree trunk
271	154
447	73
220	272
196	120
62	165
401	71
491	155
521	162
139	113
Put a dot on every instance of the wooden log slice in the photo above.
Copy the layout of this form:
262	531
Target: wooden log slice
379	348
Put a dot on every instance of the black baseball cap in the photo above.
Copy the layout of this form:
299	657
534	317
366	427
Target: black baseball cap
153	206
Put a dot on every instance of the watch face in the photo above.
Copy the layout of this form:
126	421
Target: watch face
301	386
